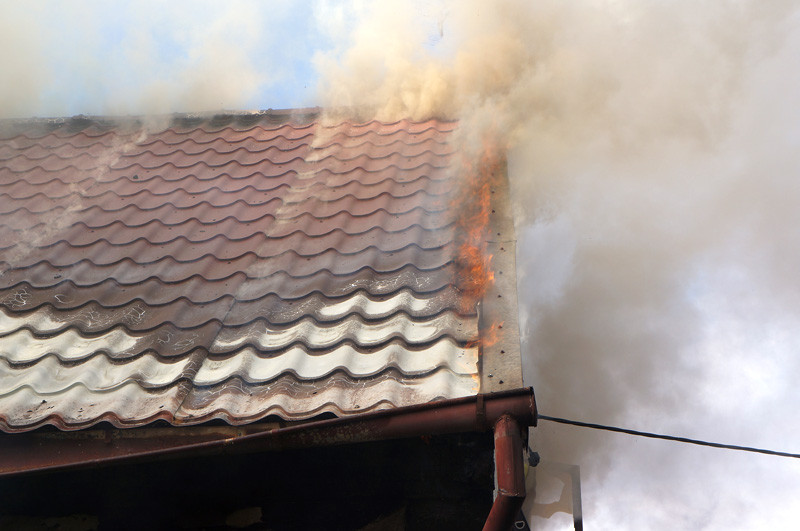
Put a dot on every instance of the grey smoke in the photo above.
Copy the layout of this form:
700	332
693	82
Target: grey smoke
141	57
653	156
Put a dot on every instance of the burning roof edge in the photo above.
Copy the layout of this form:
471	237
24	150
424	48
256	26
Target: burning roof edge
501	359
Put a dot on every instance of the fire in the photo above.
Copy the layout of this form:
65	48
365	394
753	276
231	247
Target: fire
489	336
475	275
474	270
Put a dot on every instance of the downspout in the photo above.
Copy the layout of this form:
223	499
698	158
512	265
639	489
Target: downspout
510	471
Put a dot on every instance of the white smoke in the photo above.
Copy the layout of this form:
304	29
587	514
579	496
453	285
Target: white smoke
653	161
140	57
653	157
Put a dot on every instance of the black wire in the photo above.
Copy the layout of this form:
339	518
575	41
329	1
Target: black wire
668	437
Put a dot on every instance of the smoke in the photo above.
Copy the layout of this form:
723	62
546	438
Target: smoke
22	77
143	57
146	58
652	157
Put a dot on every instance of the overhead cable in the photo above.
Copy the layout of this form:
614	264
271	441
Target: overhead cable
668	437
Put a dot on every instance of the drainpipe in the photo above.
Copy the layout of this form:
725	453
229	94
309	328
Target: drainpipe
510	472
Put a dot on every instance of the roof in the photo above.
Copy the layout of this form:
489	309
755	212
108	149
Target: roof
237	267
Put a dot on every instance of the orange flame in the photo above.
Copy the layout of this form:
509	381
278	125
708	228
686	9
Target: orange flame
474	271
489	336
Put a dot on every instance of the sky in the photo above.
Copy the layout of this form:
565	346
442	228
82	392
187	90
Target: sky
654	155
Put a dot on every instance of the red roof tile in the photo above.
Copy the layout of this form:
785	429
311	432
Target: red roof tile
230	267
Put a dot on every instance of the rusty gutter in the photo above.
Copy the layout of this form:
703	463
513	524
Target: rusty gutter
24	453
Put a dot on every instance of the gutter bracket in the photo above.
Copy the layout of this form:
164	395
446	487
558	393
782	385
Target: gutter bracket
480	412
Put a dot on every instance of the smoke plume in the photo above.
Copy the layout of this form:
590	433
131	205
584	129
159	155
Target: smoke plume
652	150
145	57
652	157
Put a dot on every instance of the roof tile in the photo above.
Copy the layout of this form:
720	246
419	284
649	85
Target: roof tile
234	267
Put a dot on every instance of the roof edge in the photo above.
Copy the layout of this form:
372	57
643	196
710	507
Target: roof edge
501	354
215	119
47	452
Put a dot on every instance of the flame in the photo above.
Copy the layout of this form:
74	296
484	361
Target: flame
475	276
474	270
489	336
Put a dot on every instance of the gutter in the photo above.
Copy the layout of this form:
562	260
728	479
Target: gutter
507	412
43	451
